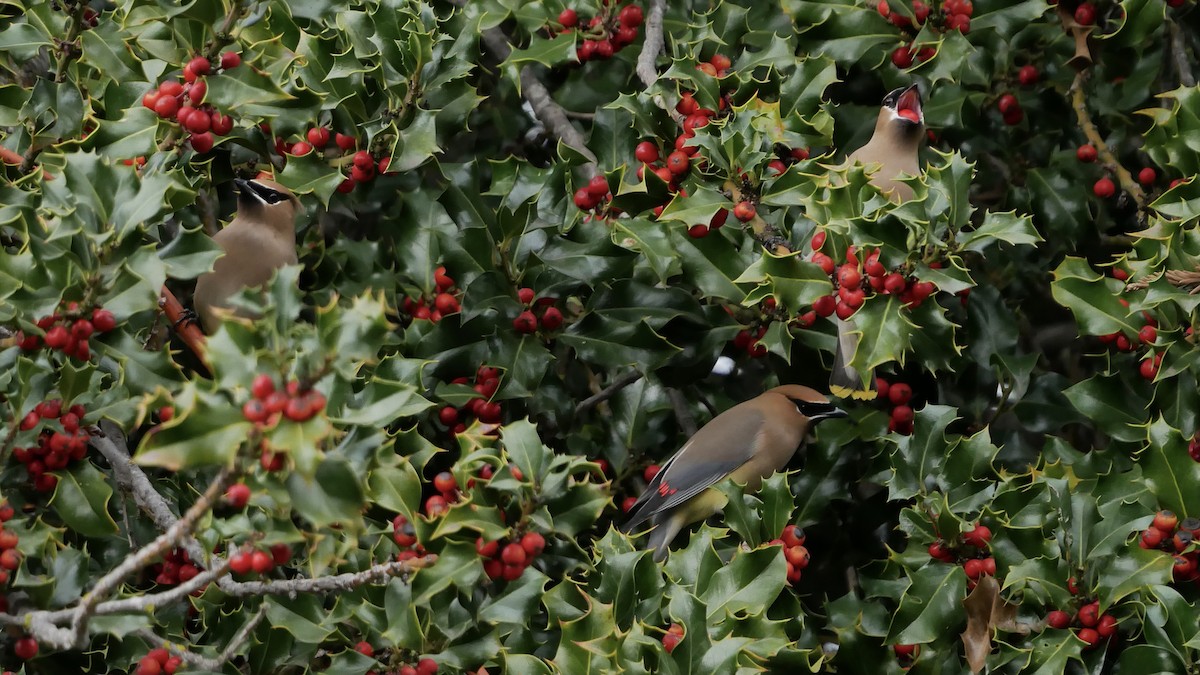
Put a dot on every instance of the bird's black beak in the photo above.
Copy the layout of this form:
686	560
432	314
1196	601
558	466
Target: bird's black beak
830	414
247	193
908	105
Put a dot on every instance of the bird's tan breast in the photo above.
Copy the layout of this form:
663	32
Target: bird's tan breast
251	256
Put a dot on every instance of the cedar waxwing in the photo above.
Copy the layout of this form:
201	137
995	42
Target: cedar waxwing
747	443
899	132
260	239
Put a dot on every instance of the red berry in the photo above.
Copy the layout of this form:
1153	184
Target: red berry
525	323
1165	520
744	211
906	651
533	543
318	137
513	554
448	415
825	305
26	648
902	57
230	60
646	152
902	414
201	143
568	18
792	536
1027	75
365	648
584	199
1104	188
200	65
345	143
883	9
978	537
1085	14
798	556
261	562
525	295
166	107
237	495
1007	102
670	641
1089	614
973	568
170	88
445	481
436	506
1148	368
849	276
241	563
1058	619
1147	176
300	149
487	549
899	393
1106	626
1148	334
255	411
650	472
630	16
1088	635
221	124
678	162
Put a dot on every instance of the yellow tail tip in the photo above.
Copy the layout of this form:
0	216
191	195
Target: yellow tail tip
848	392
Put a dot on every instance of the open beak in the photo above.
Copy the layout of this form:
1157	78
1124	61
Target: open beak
834	413
908	105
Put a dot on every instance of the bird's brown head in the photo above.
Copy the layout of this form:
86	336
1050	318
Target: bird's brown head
901	116
267	201
809	404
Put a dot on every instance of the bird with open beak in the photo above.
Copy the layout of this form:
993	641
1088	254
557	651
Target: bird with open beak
747	443
260	239
891	153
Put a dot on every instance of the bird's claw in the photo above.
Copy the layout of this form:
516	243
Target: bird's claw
187	316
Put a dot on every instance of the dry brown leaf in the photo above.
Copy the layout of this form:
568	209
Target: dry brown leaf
986	612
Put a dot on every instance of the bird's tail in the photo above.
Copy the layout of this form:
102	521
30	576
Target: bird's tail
845	381
662	535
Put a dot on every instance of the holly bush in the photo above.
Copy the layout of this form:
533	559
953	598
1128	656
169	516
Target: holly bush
517	272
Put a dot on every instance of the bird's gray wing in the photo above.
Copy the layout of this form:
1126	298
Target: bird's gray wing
720	447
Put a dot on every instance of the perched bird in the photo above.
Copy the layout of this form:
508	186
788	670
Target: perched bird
899	132
892	151
260	239
747	443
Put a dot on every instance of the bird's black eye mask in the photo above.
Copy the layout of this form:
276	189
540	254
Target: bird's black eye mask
893	97
268	194
817	411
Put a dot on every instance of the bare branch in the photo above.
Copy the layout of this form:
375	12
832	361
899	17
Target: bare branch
653	44
548	112
1128	184
339	582
608	392
204	662
134	481
1179	54
143	556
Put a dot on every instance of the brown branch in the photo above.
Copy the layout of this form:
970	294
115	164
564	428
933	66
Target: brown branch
338	582
223	35
548	112
185	326
608	392
1128	184
653	44
1178	52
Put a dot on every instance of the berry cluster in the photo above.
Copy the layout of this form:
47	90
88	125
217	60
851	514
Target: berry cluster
69	330
593	196
259	561
405	536
1010	109
672	637
61	439
527	322
487	381
955	15
1168	533
184	101
1093	626
10	557
848	279
447	486
607	33
717	66
1147	335
899	395
176	568
158	662
797	557
509	561
975	560
677	162
747	340
445	301
297	403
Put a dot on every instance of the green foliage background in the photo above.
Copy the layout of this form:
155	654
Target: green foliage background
1026	422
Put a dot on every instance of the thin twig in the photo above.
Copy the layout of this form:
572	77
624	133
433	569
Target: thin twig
608	392
1179	54
548	112
338	582
647	69
686	422
67	49
1128	184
